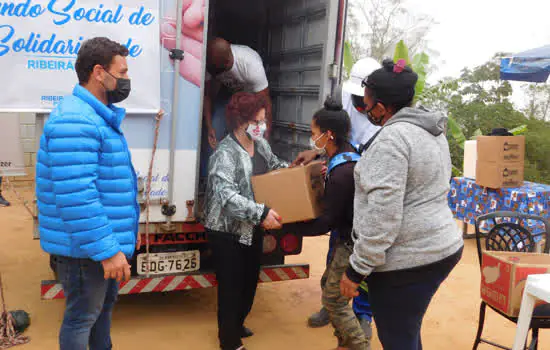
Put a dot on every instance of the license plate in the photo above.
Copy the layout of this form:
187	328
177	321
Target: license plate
168	263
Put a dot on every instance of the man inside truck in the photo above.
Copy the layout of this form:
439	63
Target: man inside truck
230	68
86	190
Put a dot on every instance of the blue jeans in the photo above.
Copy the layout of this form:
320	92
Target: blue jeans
89	305
361	304
400	300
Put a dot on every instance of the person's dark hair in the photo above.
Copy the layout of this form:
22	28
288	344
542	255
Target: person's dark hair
334	118
243	107
393	85
96	51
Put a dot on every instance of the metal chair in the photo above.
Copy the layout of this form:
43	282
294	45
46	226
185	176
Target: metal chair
508	232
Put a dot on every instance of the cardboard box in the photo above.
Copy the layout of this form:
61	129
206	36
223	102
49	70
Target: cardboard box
501	149
496	175
500	161
296	194
503	277
470	159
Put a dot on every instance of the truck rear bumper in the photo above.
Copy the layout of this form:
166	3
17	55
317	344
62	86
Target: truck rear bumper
160	284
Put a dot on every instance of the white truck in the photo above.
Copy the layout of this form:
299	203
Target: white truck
301	44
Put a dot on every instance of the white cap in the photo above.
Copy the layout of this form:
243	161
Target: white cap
360	70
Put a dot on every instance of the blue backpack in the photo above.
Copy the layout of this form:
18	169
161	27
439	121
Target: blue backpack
342	158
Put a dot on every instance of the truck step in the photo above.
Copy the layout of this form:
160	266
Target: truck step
168	283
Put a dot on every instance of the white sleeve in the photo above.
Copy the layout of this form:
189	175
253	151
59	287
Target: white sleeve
256	78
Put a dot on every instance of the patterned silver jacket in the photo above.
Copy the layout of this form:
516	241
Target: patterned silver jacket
230	206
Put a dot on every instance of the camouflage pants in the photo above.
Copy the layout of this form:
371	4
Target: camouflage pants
346	325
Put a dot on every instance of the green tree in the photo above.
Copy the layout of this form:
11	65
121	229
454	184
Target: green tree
374	27
539	101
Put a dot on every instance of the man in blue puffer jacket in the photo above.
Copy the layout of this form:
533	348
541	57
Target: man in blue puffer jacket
86	189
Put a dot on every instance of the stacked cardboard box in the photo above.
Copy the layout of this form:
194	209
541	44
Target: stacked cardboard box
500	161
295	194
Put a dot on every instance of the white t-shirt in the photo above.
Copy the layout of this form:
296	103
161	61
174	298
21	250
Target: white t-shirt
247	73
362	130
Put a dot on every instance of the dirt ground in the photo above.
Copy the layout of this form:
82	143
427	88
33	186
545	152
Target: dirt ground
188	320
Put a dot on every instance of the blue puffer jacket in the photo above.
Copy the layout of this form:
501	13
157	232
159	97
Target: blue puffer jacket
85	183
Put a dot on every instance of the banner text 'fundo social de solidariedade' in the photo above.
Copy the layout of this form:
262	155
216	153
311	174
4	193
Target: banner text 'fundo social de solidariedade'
61	13
40	39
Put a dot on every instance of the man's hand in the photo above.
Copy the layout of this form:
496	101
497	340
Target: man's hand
272	221
304	158
138	241
348	288
116	267
212	140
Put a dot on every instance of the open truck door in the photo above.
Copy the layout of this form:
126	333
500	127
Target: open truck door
301	44
305	48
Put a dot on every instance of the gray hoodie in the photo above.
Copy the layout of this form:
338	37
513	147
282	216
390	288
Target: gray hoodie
401	216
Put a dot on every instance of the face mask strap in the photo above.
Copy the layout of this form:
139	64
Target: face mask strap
106	71
314	142
368	113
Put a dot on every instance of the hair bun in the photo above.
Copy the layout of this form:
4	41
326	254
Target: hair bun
388	64
331	104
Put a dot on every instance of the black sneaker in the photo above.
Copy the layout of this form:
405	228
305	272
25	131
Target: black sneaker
246	333
319	319
4	202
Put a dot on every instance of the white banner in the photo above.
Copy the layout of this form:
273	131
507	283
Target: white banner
12	162
39	41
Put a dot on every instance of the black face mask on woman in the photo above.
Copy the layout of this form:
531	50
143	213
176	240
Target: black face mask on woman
121	92
372	118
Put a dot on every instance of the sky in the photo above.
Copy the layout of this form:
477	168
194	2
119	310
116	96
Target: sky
469	32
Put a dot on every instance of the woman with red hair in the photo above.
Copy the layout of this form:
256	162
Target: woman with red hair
235	222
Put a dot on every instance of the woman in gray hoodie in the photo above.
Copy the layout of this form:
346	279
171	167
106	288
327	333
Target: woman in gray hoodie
406	240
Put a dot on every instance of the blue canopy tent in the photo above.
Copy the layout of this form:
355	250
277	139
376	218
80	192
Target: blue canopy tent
531	66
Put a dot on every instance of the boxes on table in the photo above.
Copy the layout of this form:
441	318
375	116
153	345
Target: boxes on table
503	278
295	194
470	159
500	161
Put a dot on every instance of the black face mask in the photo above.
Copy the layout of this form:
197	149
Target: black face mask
121	91
372	119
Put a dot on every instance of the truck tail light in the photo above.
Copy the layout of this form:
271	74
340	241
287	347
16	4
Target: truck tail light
270	244
290	243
